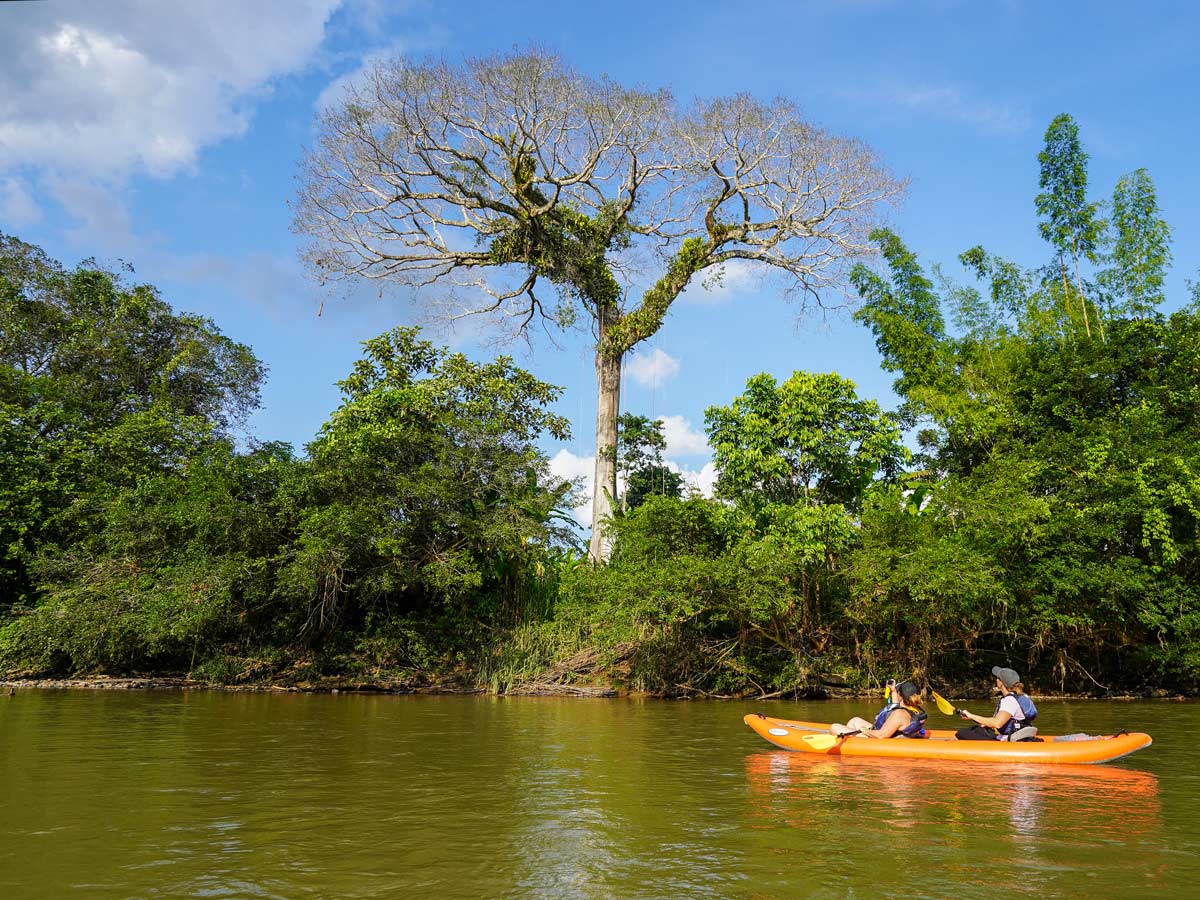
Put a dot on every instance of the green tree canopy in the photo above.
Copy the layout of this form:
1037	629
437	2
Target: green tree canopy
176	571
1062	515
426	486
1070	222
101	382
641	443
1141	252
808	440
652	480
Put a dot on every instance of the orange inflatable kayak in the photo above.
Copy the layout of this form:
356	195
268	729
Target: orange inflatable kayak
790	735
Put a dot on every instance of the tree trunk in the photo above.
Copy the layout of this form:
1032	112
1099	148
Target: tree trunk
1079	287
608	403
1083	302
1062	271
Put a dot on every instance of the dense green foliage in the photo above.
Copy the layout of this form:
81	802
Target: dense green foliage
1060	523
1059	516
424	493
807	441
652	480
1140	247
1048	517
138	537
100	383
179	572
717	596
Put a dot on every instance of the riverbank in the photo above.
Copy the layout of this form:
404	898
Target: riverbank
458	686
324	686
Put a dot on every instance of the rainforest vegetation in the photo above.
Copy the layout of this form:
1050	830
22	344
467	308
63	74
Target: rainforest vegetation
1033	501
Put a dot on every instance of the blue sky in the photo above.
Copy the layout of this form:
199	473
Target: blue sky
167	135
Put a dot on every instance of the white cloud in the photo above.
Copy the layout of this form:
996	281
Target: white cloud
108	90
682	438
369	20
17	206
722	285
703	479
103	219
949	102
651	369
952	102
271	283
566	465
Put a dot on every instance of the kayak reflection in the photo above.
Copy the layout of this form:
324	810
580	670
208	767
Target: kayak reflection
812	791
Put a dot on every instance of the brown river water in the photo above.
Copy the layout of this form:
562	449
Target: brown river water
216	795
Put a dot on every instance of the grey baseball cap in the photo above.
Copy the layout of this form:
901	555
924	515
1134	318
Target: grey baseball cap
1008	676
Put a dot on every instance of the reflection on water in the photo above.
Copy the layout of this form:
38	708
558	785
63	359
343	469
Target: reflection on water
1102	801
233	796
972	823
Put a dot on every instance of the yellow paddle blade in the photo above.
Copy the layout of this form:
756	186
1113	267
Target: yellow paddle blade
946	707
821	741
825	741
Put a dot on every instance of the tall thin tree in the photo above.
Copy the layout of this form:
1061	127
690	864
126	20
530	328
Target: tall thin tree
1141	245
1069	222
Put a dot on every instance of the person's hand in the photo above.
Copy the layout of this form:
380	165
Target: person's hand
964	714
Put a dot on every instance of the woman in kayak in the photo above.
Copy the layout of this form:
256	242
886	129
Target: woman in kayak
902	717
1014	712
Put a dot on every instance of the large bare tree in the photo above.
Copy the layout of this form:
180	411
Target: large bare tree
514	185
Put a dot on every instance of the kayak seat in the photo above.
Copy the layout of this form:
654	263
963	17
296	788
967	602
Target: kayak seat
1028	733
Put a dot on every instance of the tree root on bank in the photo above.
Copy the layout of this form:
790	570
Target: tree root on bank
562	679
552	689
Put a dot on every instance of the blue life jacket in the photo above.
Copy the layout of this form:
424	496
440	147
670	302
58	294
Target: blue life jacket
1028	714
914	729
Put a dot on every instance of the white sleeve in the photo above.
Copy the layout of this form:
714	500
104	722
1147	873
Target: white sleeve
1010	705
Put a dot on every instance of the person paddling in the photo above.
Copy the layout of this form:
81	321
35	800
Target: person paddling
903	716
1014	713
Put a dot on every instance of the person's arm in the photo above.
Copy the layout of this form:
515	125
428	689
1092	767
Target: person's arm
894	722
996	721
